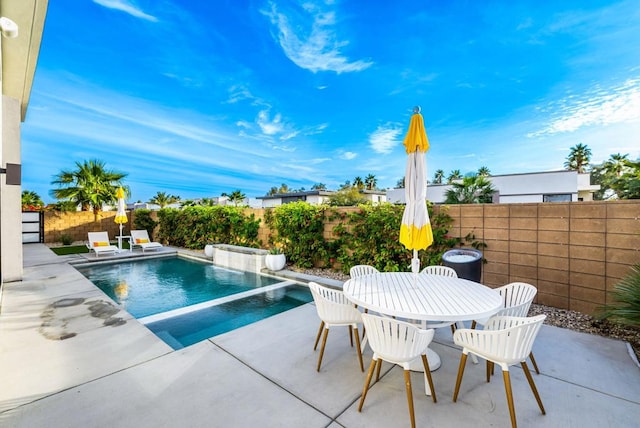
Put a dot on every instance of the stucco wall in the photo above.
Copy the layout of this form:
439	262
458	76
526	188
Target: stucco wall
10	195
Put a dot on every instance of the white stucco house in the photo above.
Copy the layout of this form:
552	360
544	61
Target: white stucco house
22	23
551	186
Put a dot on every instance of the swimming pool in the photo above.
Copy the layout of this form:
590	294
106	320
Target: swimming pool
184	301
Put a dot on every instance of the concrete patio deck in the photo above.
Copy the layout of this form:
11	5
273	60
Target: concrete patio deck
113	372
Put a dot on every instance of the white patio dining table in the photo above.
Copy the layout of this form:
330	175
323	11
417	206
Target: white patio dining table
424	297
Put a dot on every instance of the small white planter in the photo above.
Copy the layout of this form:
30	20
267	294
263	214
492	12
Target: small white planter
275	261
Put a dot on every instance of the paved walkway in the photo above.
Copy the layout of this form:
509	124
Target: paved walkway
67	359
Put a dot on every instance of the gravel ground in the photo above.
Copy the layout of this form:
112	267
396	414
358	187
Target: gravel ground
573	320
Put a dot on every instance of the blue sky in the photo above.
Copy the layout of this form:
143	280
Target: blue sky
196	98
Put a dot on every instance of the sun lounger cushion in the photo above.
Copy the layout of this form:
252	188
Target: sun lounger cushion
100	244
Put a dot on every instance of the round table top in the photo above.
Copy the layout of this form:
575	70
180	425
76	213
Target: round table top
423	297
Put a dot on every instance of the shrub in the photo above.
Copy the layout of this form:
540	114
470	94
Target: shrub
144	221
298	229
371	235
66	239
194	227
625	308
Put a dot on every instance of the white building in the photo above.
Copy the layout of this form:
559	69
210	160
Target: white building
317	197
22	25
552	186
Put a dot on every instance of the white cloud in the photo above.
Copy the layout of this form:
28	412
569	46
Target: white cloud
348	155
269	126
596	107
126	7
384	139
239	93
314	47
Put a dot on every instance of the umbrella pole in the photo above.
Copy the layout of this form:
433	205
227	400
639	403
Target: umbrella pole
415	262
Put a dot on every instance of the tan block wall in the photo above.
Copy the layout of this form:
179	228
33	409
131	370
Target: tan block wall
78	224
574	253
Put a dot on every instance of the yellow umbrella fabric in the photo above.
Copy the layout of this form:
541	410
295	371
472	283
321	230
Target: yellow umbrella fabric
415	229
121	215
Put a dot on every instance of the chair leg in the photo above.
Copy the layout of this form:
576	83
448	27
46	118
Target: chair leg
318	336
407	384
533	361
463	360
324	342
509	392
527	373
366	383
358	348
351	335
473	325
366	311
378	369
489	370
427	372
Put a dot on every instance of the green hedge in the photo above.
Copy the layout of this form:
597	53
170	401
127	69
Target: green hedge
368	235
195	227
371	236
297	229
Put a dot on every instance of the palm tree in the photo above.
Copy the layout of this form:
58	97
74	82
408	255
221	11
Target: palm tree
31	199
455	175
483	171
283	188
235	197
617	164
89	186
319	186
346	185
578	158
472	190
438	177
371	182
358	183
400	183
163	199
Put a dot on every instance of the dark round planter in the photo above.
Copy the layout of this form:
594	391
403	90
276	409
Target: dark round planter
467	262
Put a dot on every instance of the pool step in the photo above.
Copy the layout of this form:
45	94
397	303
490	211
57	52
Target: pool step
188	309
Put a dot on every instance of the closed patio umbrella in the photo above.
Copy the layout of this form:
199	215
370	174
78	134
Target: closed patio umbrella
121	214
415	230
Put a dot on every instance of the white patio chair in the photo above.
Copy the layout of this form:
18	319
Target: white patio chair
397	342
505	341
440	270
517	298
443	271
99	243
335	310
140	238
361	270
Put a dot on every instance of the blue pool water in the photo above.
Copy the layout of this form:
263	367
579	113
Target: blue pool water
185	301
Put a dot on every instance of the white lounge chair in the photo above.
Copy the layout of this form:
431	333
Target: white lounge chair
140	238
99	243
